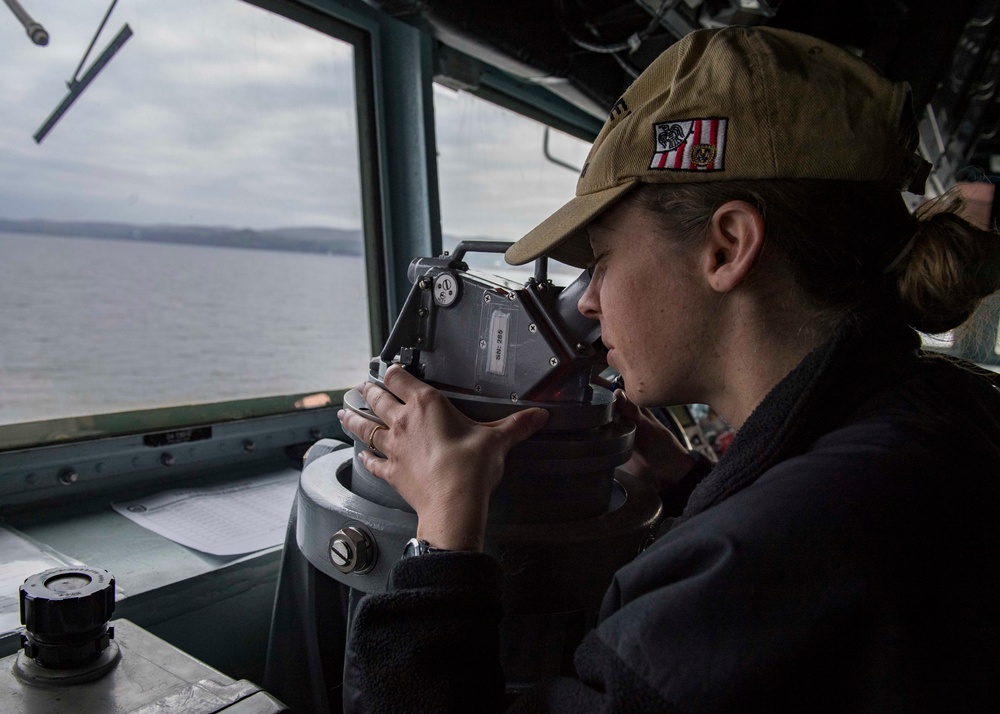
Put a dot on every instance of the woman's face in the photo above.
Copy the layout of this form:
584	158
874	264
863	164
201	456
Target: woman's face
652	307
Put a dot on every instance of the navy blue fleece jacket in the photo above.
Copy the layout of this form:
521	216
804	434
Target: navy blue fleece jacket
841	557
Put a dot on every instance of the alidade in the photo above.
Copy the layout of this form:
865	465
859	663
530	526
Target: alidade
562	521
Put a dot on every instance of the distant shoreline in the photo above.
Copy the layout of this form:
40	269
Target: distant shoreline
328	241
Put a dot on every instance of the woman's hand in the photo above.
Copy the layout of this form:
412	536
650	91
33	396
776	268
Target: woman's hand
442	463
657	456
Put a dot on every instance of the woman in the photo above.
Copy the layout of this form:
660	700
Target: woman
741	212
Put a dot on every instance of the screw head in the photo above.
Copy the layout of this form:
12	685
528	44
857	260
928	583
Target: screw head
68	476
167	459
553	361
352	550
249	445
424	284
486	297
513	397
479	388
482	344
422	311
341	553
532	328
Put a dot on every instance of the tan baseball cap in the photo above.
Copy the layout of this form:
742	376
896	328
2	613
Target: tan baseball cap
739	103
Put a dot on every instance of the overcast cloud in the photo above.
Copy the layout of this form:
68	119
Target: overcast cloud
216	112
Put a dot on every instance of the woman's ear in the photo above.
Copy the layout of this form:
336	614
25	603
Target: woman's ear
734	239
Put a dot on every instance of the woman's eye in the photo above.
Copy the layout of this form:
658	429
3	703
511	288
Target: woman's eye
592	268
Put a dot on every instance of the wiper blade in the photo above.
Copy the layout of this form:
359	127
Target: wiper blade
76	86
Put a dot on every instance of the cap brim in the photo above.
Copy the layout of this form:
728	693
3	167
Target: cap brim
561	235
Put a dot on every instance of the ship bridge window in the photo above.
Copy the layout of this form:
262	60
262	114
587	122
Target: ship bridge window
189	233
495	180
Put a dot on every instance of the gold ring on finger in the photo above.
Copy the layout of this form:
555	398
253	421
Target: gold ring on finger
371	439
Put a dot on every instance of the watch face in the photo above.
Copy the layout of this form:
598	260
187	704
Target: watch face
412	548
415	546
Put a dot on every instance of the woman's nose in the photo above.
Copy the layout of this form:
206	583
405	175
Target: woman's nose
588	304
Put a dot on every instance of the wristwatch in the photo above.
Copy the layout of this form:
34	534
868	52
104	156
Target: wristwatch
416	546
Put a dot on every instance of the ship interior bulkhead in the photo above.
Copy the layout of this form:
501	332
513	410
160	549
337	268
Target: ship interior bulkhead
233	212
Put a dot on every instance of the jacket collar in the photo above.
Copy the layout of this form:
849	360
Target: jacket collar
865	355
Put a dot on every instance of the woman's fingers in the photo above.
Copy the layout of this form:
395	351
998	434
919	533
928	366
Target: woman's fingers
625	406
401	383
657	455
382	403
362	428
400	389
517	427
441	462
380	468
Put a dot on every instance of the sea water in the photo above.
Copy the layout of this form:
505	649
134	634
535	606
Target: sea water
92	326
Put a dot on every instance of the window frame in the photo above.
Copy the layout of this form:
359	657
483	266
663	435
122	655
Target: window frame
394	64
114	424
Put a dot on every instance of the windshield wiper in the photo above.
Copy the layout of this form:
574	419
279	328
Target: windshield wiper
77	84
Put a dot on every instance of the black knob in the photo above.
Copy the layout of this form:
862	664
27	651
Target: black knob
65	613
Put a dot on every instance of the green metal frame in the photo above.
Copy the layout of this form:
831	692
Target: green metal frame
61	431
394	75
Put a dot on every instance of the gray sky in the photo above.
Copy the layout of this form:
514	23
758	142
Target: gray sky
216	112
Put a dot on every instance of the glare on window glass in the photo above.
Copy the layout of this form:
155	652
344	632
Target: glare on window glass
495	180
189	231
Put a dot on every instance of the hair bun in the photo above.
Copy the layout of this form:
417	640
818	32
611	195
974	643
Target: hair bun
951	267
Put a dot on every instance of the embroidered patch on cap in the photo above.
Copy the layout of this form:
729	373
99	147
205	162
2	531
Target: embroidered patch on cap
690	145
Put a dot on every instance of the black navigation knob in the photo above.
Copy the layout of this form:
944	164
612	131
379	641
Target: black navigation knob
65	612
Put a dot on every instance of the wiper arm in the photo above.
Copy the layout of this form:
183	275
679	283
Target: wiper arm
36	32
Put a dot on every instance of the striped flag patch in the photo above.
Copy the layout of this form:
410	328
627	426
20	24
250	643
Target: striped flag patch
690	145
